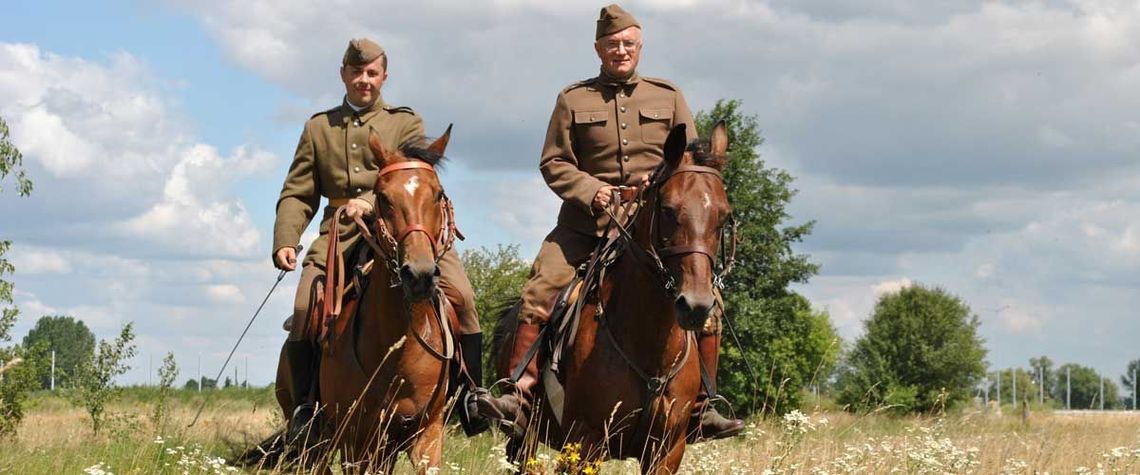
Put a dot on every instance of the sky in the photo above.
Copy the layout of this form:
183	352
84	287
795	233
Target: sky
991	148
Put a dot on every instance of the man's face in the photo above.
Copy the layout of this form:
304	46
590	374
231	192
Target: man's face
362	83
620	52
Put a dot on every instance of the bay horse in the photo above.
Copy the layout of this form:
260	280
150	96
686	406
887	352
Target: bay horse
384	365
630	377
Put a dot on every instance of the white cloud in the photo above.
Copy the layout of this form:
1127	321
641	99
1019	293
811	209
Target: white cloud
225	294
40	262
890	286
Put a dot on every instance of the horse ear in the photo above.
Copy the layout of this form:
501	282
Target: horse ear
440	144
719	140
378	150
675	145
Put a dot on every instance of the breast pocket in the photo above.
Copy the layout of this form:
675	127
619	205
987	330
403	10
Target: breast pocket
590	129
655	125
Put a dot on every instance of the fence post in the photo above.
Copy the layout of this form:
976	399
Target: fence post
53	370
1013	377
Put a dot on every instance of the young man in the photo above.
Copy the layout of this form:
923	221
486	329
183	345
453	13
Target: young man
605	132
333	160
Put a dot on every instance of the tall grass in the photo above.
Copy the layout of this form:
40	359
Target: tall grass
56	438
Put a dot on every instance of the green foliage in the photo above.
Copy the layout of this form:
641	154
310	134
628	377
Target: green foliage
96	381
496	275
11	161
1129	381
788	344
1027	387
167	373
1085	385
1042	367
920	352
72	342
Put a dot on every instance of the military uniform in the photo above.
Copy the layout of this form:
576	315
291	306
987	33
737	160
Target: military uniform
333	160
603	131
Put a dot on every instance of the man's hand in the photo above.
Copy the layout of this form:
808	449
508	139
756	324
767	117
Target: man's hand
357	208
286	258
603	197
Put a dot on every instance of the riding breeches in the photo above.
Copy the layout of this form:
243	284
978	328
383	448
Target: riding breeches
558	259
452	280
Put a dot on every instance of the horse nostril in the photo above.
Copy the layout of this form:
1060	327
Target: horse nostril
406	273
682	304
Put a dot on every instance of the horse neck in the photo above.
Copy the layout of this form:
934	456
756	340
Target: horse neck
643	317
383	318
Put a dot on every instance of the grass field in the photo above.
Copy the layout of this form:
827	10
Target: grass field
56	438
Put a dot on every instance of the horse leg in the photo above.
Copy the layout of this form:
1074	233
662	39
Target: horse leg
669	463
427	449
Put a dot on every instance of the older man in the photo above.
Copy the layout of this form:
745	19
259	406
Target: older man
605	132
333	160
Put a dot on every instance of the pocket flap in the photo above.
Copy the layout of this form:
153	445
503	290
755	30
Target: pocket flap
591	117
657	114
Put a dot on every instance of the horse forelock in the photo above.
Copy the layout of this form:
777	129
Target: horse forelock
417	149
701	152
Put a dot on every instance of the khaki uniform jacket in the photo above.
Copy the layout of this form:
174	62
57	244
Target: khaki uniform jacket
333	160
605	132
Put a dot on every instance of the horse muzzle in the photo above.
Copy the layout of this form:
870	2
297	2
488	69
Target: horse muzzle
693	309
419	279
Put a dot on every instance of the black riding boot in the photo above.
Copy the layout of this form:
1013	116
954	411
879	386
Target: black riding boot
512	409
303	363
471	347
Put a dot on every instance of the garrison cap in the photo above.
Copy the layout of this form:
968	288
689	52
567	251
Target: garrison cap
612	20
361	51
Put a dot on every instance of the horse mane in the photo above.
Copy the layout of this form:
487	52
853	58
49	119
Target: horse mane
417	149
701	150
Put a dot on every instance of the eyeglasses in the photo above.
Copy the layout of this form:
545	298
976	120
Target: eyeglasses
613	46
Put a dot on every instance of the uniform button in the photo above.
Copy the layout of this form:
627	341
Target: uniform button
623	108
625	141
356	122
354	146
654	116
358	190
624	125
621	94
625	158
356	169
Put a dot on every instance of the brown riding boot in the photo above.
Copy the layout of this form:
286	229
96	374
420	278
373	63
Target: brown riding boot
706	423
511	409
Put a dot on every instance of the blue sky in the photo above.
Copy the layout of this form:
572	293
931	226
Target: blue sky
987	147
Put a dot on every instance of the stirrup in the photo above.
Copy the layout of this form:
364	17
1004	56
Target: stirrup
303	422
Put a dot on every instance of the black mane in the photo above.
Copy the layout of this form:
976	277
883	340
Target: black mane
417	149
702	152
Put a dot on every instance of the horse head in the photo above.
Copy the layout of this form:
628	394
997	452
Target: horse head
691	211
414	217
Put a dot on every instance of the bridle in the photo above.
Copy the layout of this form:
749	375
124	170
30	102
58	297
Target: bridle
387	244
657	252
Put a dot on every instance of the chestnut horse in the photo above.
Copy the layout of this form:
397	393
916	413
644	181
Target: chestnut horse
630	376
384	371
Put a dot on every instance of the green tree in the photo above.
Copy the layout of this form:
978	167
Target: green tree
1129	382
1085	388
96	381
18	369
1042	367
788	344
72	342
496	276
1027	387
920	352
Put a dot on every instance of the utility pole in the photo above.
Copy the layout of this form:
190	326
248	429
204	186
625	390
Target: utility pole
1133	389
999	389
1101	394
53	370
1013	377
1068	388
200	380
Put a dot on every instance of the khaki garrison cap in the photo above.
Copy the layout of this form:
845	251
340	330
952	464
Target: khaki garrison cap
361	51
612	20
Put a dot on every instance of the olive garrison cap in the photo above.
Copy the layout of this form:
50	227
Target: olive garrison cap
612	20
361	51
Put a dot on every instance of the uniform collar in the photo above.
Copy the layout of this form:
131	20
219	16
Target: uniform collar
363	114
607	80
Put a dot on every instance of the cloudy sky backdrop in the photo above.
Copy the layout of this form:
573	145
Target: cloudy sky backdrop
992	148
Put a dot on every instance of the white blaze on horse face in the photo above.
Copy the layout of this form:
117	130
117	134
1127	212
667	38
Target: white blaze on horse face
411	185
707	201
